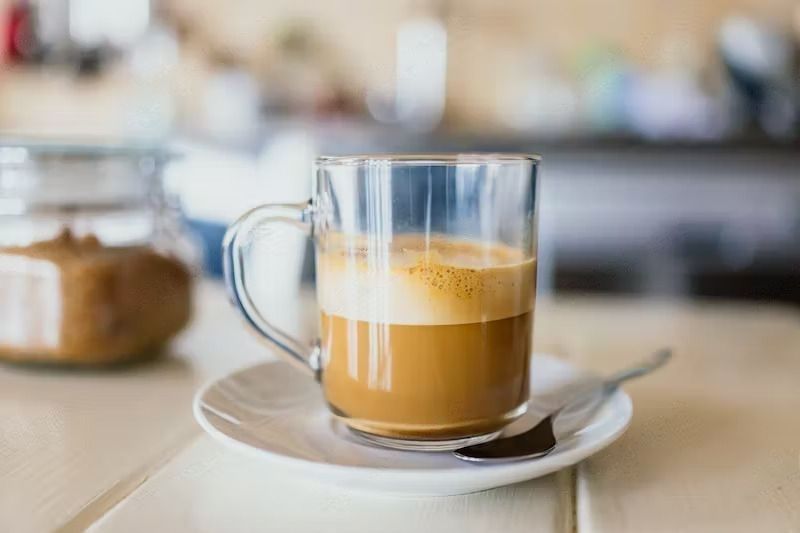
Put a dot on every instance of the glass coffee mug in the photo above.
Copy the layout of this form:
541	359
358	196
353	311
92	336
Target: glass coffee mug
426	283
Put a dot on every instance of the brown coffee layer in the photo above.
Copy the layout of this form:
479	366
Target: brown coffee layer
427	381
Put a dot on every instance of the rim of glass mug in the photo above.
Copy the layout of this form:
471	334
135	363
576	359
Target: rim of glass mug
446	159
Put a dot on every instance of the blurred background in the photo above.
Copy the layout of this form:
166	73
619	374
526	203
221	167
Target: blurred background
670	131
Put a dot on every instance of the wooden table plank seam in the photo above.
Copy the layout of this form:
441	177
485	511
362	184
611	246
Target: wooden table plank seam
573	499
94	510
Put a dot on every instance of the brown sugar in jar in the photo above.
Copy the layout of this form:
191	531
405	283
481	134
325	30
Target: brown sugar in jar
75	301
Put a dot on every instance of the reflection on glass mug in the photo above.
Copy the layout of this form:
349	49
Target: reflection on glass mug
426	282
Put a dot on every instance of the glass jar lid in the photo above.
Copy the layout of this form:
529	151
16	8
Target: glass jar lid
41	176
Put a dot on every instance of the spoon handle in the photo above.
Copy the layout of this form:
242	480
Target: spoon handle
654	362
574	415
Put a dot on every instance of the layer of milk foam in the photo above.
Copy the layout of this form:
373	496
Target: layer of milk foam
420	281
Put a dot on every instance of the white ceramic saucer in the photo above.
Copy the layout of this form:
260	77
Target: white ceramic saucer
273	412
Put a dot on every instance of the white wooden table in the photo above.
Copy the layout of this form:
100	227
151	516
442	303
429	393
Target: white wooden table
714	445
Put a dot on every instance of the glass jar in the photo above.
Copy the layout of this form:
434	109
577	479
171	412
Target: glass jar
95	266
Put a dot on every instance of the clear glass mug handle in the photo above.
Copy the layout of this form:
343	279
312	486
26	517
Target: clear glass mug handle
303	356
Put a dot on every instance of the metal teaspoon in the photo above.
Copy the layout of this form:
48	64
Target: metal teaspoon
566	420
